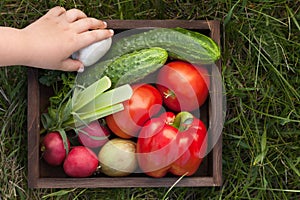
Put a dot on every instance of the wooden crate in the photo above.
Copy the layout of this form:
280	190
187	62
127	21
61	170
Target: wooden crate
40	175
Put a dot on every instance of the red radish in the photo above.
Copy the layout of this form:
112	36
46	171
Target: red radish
94	135
53	150
80	162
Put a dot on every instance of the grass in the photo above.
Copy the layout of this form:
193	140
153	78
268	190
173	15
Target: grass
261	73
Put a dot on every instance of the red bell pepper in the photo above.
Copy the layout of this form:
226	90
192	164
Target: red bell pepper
172	144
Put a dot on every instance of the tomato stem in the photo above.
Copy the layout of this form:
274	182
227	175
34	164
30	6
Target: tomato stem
169	93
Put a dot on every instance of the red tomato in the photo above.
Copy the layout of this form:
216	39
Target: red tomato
145	102
183	86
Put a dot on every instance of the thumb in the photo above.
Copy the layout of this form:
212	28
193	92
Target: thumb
72	65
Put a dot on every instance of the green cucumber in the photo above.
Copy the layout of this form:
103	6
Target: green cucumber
180	43
125	69
208	44
92	74
135	66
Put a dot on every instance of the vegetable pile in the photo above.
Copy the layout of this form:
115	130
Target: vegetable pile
135	110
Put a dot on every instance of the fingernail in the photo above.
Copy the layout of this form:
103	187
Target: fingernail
105	24
111	31
81	69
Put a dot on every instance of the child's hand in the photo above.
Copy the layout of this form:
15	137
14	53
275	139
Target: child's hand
54	37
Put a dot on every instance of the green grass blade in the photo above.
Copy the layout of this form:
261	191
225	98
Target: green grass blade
293	17
229	14
58	193
288	85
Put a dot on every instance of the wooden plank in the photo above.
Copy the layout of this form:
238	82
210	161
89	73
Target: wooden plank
216	109
130	24
123	182
33	122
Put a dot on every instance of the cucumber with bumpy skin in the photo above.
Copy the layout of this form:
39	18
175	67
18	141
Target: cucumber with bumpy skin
127	68
92	73
180	43
135	66
209	46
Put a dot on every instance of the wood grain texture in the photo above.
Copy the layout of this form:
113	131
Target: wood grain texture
33	126
41	175
130	24
216	109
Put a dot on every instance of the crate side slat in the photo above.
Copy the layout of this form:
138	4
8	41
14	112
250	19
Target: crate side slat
123	182
131	24
216	109
33	126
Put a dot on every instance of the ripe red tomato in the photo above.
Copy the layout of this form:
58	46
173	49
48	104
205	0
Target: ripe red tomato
145	102
184	86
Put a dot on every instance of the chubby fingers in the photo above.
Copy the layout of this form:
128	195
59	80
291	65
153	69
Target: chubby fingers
74	14
81	23
71	65
56	11
87	24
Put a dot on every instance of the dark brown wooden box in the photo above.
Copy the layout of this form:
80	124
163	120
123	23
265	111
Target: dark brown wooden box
40	175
